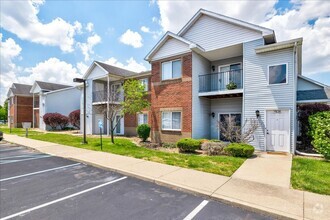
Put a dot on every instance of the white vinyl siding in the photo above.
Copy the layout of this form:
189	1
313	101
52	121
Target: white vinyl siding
171	121
142	119
144	82
171	69
211	33
258	95
170	48
200	106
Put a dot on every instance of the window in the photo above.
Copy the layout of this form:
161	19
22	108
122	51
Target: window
171	70
226	118
144	82
142	119
171	121
277	74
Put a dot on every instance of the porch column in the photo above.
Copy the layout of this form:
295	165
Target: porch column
33	110
108	99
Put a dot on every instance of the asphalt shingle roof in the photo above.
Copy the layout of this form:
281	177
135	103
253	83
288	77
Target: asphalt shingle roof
51	86
118	71
21	89
311	94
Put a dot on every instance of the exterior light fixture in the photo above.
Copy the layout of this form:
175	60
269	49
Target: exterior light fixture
213	68
213	114
79	80
257	113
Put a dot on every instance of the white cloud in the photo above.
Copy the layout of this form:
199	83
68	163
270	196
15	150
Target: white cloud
20	18
287	24
87	48
82	68
131	64
10	51
131	38
89	27
145	29
51	70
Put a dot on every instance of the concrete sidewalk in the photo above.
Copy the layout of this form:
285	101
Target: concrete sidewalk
239	190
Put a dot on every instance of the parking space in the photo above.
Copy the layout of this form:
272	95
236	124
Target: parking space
39	186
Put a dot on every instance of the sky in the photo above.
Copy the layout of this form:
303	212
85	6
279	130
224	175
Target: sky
57	41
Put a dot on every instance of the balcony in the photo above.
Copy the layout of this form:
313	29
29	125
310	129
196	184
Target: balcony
229	82
102	97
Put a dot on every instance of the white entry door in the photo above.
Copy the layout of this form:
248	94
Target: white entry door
278	130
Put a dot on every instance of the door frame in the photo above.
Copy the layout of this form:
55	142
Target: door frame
229	64
265	114
227	113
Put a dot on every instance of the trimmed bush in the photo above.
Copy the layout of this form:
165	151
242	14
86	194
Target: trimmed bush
143	131
320	132
304	111
74	118
239	150
55	120
214	148
188	145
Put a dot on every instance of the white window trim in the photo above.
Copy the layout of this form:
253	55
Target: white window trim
146	88
287	74
171	129
171	61
143	113
229	65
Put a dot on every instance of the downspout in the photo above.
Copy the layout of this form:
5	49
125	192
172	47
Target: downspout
295	77
33	110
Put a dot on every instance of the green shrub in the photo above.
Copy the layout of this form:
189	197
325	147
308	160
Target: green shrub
239	150
320	132
188	145
231	86
143	131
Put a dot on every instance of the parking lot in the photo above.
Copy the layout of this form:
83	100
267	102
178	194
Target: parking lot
41	186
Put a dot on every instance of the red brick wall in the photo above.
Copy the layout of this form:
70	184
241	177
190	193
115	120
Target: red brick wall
171	94
24	110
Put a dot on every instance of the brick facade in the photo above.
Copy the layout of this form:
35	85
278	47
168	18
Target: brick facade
173	94
21	110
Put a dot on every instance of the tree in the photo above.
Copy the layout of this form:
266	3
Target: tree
74	118
233	132
131	98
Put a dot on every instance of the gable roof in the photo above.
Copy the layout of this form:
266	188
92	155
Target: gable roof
47	86
313	81
263	30
163	40
109	69
20	89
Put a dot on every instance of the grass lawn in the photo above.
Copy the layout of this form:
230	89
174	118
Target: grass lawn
223	165
311	175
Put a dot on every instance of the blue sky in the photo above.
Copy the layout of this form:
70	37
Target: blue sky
58	40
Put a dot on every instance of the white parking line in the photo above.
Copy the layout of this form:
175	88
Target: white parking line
61	199
23	155
15	161
196	210
38	172
12	149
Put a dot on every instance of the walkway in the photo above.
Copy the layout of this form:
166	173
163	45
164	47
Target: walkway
240	190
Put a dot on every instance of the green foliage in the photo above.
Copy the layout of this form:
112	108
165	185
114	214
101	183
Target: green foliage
231	85
188	145
135	97
3	113
143	131
239	150
320	132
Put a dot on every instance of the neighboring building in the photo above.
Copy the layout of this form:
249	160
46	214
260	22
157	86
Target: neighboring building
217	67
102	80
19	105
50	98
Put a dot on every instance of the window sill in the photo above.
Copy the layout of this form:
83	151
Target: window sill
172	130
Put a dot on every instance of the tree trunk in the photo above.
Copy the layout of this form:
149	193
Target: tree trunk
111	132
